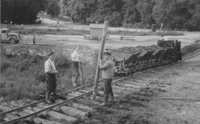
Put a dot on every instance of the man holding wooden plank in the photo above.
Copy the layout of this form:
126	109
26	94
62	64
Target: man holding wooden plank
107	67
100	65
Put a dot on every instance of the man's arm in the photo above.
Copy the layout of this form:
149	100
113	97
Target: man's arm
103	66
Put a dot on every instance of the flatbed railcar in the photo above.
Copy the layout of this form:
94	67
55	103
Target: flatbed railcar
128	62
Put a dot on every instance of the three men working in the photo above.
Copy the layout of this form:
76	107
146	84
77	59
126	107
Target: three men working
106	65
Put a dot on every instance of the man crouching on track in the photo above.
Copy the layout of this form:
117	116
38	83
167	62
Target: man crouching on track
107	75
51	72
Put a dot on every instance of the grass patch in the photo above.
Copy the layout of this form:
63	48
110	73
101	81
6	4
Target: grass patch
87	32
190	48
137	33
54	30
23	72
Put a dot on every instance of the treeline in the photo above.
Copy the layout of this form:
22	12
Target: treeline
172	14
21	11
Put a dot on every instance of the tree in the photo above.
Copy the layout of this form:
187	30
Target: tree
181	14
20	11
109	10
53	8
131	15
63	7
78	10
193	23
145	7
161	11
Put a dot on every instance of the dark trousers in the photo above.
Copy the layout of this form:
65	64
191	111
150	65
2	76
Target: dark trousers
51	84
75	71
107	87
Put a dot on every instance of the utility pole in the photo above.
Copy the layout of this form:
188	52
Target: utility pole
100	56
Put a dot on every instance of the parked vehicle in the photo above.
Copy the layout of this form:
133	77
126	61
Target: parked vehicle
9	37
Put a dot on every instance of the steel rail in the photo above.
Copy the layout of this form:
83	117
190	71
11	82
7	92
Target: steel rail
191	56
19	108
58	104
65	92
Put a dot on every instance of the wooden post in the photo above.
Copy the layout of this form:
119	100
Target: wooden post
80	72
100	56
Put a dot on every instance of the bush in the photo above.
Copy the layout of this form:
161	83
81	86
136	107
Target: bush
190	48
4	66
40	77
25	72
62	64
36	59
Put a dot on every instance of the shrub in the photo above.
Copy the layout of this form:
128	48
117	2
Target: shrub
190	48
62	64
40	77
35	59
4	66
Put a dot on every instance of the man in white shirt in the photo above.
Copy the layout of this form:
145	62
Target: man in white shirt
50	71
75	57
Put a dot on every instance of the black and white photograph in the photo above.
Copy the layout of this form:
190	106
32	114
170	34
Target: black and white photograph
99	61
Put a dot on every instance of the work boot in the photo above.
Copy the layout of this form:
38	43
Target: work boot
106	97
48	101
54	95
74	81
111	98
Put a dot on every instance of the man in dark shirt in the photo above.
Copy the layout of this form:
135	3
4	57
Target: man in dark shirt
107	75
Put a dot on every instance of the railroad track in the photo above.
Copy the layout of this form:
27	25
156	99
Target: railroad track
192	55
71	110
75	107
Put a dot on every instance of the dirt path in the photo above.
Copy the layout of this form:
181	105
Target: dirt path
113	41
172	97
181	82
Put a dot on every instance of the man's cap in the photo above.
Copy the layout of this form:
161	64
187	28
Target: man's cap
107	53
51	53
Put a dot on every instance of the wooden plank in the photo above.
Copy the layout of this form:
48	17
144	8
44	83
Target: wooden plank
180	98
73	112
81	106
122	88
55	115
100	56
133	83
102	93
118	91
87	101
127	86
136	80
9	117
192	82
38	120
75	94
